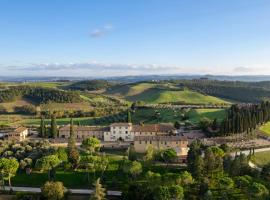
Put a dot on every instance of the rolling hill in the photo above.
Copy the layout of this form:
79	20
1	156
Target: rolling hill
155	93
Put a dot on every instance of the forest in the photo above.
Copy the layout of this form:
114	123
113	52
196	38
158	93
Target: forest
248	92
38	95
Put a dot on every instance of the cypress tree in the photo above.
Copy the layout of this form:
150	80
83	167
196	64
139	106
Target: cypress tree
129	117
54	131
73	154
42	128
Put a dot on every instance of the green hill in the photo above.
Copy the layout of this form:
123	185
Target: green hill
162	93
90	85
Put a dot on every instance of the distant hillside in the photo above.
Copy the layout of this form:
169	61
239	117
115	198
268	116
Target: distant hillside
38	95
90	85
248	92
161	93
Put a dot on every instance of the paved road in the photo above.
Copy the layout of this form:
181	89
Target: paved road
246	152
73	191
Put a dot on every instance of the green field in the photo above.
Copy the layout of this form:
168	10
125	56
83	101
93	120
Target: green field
197	114
163	93
146	115
37	84
166	115
266	128
261	158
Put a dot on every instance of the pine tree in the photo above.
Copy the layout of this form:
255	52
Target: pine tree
54	131
99	191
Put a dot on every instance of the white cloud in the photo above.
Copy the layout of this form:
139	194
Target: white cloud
99	32
251	70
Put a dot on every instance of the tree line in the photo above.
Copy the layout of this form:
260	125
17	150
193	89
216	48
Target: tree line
234	90
245	118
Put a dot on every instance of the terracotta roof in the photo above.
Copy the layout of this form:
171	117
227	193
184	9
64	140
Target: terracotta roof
84	128
160	138
20	129
153	128
121	124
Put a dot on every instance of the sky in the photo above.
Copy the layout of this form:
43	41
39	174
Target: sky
100	38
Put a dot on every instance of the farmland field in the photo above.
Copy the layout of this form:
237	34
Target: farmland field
261	158
197	114
163	93
147	115
266	128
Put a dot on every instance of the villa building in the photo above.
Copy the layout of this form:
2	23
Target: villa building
18	134
178	143
127	131
117	131
82	132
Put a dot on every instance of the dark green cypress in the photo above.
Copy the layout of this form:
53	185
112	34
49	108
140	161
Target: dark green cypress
54	130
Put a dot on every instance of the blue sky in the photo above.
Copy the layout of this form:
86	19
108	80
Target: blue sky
125	37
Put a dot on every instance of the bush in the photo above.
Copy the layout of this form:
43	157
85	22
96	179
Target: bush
53	190
26	109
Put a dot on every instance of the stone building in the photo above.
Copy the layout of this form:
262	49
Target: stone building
82	132
127	131
159	142
18	133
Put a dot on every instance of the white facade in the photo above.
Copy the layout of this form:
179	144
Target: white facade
119	132
18	134
126	131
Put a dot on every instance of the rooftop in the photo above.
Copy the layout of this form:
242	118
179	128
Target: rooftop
153	128
84	128
160	138
121	124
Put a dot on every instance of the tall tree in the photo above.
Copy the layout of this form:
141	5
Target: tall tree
42	128
91	144
177	125
54	131
129	120
8	168
99	191
73	154
48	163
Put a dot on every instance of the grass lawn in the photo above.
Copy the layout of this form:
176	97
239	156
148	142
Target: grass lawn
167	115
146	115
196	115
266	128
261	158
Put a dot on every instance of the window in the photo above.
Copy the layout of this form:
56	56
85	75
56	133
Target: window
126	132
150	142
63	136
